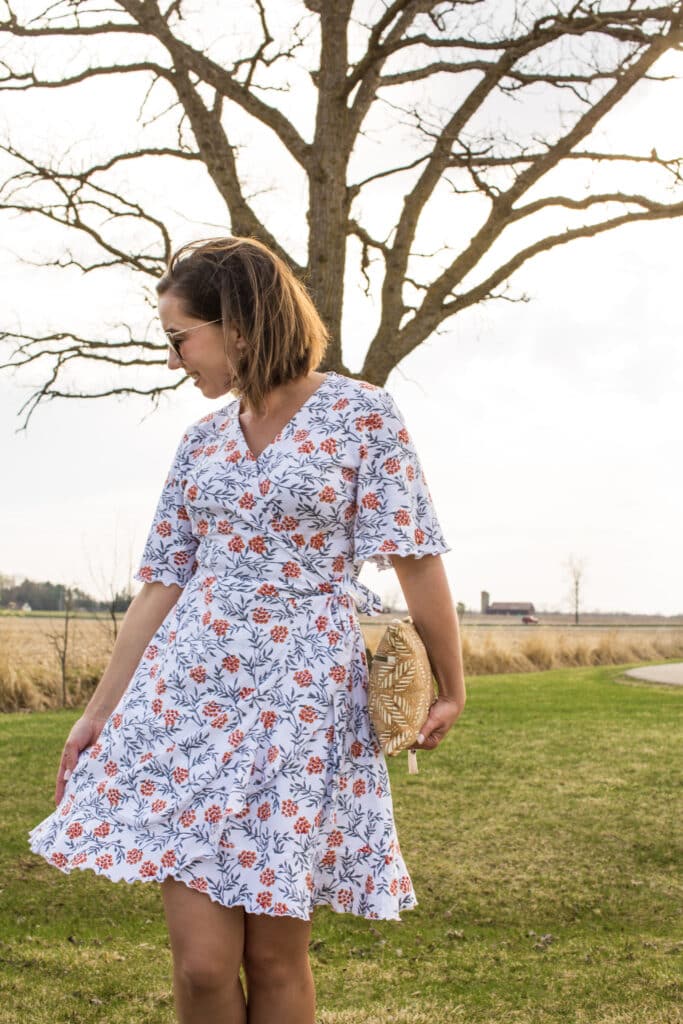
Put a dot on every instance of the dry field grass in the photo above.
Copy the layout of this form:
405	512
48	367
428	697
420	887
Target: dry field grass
31	678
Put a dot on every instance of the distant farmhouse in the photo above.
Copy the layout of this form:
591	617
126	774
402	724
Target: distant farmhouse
505	607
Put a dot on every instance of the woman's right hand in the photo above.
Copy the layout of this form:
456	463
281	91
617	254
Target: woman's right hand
83	734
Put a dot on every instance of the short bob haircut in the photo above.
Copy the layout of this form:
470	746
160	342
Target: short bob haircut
242	282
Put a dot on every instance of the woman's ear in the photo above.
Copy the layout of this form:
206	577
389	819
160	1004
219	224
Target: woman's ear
239	340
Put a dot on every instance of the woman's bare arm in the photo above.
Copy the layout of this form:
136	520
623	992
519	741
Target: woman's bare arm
425	587
144	615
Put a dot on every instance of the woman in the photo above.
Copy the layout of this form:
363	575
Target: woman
227	752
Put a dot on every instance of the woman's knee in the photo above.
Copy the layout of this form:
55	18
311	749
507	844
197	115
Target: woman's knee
207	939
275	969
276	950
204	974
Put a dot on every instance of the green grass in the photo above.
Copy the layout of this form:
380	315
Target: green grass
543	839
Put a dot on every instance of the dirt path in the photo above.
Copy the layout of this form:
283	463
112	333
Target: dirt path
671	673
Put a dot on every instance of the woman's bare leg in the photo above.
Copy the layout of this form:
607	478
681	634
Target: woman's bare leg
280	986
207	942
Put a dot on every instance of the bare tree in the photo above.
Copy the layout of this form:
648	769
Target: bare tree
373	66
576	568
62	640
108	584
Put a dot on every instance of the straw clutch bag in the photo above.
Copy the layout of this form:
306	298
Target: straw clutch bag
400	689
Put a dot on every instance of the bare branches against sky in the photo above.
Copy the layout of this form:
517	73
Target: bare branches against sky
421	152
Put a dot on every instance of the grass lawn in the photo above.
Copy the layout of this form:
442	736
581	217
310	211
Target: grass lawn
543	838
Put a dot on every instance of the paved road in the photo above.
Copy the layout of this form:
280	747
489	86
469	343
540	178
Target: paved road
671	673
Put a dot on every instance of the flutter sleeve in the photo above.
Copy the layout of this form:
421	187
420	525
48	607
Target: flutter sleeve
395	514
168	554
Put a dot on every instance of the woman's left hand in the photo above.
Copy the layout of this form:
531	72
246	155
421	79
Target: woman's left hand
443	713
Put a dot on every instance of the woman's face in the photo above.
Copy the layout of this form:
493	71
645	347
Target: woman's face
202	348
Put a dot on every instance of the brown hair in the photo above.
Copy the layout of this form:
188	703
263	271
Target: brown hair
242	282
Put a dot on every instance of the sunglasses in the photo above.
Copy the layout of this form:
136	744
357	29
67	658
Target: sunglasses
175	338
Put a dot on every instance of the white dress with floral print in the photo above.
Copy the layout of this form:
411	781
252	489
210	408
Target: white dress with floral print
241	759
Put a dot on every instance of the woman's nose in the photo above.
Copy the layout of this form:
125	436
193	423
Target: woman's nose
174	363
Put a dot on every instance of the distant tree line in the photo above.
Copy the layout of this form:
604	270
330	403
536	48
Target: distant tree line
47	596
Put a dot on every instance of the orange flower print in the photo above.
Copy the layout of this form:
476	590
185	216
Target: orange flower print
212	814
370	500
345	897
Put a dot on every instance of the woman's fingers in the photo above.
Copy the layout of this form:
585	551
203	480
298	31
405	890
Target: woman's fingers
442	714
84	733
65	768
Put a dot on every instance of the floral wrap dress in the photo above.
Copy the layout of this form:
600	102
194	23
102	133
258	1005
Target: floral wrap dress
241	758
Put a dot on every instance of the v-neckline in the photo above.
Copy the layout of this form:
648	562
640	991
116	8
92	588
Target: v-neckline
257	459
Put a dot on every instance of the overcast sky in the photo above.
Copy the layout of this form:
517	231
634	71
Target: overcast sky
546	429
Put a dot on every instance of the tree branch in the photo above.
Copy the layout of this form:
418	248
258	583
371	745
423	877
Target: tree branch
78	195
30	81
32	349
189	59
660	211
400	342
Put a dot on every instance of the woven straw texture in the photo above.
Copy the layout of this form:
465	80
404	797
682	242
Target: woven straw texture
400	687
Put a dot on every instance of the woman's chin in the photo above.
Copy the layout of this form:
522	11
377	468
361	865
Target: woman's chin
212	389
